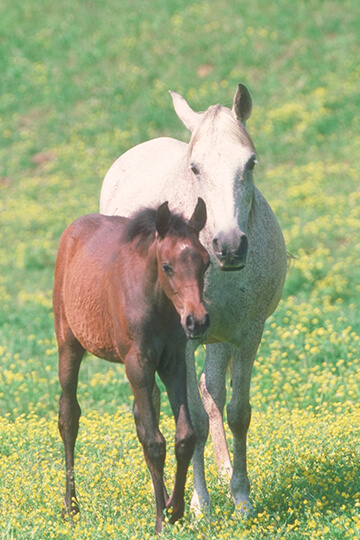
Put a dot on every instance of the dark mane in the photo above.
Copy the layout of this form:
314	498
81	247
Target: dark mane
142	226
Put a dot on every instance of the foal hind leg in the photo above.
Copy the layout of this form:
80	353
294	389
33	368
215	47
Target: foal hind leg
213	392
70	356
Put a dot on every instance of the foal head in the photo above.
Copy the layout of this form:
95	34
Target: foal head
182	262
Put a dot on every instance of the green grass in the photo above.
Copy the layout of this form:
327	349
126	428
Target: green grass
83	81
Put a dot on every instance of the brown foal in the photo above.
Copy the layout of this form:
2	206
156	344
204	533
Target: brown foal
130	291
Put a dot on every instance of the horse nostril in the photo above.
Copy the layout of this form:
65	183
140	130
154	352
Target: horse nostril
215	244
243	246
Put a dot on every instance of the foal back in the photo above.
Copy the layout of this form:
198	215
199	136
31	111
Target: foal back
86	255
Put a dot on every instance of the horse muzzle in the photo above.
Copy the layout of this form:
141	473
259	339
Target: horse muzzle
230	255
195	327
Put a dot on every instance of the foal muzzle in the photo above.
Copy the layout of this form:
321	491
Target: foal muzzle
194	327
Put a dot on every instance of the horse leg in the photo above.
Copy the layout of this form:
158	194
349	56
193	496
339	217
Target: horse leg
141	376
213	391
174	378
239	415
200	501
70	356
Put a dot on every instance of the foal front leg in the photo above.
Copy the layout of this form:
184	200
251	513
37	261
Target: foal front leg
141	376
174	378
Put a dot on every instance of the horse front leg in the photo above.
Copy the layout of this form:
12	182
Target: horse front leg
70	356
141	376
213	392
200	502
174	378
239	415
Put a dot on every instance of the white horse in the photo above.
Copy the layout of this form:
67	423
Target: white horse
242	235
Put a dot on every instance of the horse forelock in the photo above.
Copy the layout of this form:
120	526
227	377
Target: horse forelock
219	120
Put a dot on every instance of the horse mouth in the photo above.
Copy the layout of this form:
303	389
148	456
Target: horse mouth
227	265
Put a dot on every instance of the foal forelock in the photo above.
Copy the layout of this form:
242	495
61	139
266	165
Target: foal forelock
141	227
219	120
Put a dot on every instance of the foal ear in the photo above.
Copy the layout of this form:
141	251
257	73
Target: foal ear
162	219
198	219
242	105
188	117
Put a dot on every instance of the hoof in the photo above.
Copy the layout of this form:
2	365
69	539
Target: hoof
200	505
71	513
243	509
174	513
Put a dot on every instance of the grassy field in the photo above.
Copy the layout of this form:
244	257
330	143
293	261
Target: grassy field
83	81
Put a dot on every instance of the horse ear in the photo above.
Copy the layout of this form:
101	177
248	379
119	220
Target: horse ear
242	105
188	117
198	219
162	220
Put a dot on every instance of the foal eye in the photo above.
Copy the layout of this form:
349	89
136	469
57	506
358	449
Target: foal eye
167	269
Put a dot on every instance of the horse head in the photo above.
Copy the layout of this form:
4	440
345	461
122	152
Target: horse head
221	158
182	263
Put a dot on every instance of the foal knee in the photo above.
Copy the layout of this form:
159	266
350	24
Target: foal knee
155	451
184	445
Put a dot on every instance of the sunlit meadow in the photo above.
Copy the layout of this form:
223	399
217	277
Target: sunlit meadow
83	81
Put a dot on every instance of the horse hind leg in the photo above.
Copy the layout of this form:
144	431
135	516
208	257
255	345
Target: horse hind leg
70	356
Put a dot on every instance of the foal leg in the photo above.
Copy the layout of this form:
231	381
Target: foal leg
141	376
70	356
174	378
200	501
213	391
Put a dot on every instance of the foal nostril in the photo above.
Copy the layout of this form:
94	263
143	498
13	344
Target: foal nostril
190	323
206	322
197	327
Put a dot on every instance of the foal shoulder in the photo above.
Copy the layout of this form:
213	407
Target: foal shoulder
92	224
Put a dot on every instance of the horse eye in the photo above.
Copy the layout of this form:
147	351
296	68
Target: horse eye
167	269
251	163
194	169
